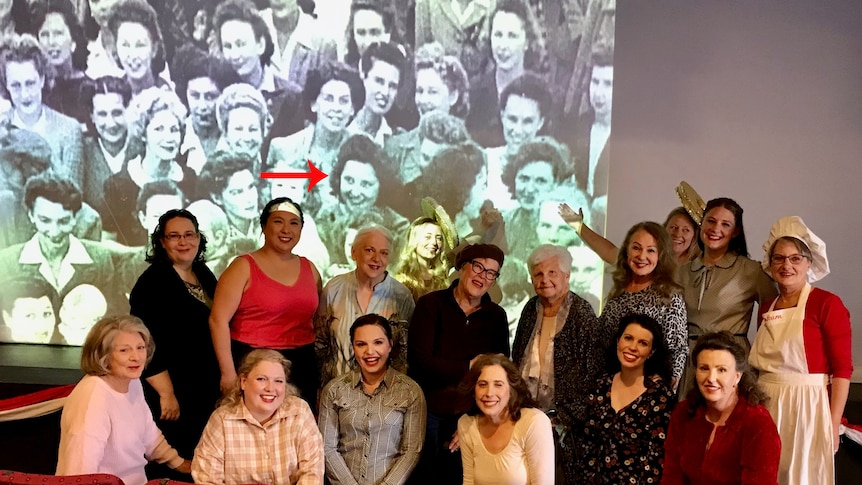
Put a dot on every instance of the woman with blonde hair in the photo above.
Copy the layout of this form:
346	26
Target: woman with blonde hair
156	125
106	426
262	432
424	264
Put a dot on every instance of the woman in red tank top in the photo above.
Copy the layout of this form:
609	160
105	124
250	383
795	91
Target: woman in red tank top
267	298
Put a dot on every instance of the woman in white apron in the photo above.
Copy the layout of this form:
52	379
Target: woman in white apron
802	344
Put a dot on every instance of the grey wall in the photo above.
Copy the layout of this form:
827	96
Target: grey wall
757	101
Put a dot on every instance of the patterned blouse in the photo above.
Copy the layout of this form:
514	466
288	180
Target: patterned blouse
626	446
670	314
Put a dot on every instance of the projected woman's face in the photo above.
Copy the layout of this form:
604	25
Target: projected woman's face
432	93
368	28
508	40
359	186
243	132
163	136
135	50
333	106
239	198
240	47
532	181
56	40
24	84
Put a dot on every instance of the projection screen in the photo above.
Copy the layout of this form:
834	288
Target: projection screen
499	110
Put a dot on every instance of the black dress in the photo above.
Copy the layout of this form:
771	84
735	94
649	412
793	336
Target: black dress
179	324
625	446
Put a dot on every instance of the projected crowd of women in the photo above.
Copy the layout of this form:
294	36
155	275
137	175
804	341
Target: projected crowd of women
430	312
146	106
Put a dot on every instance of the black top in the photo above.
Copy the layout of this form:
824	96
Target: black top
179	324
442	340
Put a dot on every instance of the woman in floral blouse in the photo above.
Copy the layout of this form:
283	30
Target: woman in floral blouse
622	440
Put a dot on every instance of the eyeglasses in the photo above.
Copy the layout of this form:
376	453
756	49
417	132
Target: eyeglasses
188	236
795	259
488	274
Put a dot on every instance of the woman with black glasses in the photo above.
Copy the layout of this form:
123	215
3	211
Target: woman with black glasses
173	298
449	330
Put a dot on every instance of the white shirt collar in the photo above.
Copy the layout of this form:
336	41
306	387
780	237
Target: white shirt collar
136	172
77	254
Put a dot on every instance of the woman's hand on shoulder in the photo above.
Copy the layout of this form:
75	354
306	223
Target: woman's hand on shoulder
228	380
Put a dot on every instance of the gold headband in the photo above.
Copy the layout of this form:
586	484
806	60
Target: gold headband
285	207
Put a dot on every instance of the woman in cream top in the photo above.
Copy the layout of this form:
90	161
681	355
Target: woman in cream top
504	438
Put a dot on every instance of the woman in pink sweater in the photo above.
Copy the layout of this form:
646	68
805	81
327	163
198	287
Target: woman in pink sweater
106	426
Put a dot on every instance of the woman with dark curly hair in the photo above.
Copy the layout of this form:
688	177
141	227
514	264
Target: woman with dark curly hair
622	438
515	42
55	24
24	73
538	168
138	46
332	95
361	182
173	298
644	283
504	437
244	40
722	433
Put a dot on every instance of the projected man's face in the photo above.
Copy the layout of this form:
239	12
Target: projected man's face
53	223
25	84
333	106
202	93
243	131
109	117
521	119
359	186
163	136
31	320
381	87
532	182
368	28
293	188
155	207
508	40
601	91
432	93
239	198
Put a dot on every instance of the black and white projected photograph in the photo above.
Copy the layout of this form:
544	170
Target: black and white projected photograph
444	121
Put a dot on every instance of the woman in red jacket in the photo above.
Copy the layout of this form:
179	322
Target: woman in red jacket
722	434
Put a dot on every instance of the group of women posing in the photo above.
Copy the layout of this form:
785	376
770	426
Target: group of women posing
611	413
801	351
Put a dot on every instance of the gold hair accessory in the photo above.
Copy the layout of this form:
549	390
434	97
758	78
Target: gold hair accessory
691	201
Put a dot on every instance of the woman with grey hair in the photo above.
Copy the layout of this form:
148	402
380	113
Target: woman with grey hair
367	289
554	346
106	426
156	125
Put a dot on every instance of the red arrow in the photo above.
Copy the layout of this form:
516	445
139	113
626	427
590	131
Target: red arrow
314	175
